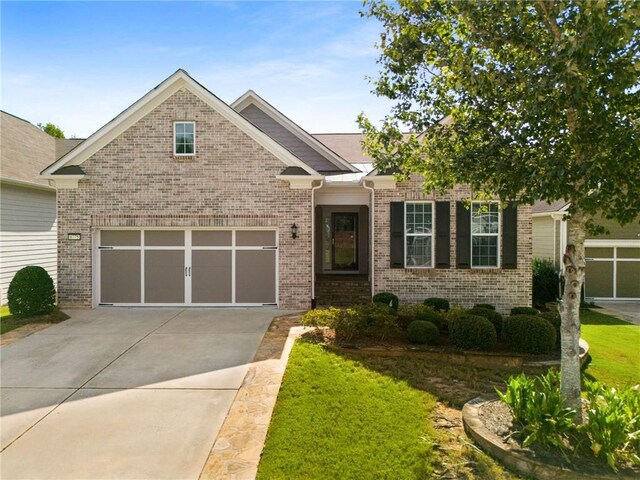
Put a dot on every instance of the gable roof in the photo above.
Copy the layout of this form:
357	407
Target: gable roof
25	150
177	81
347	145
542	207
290	135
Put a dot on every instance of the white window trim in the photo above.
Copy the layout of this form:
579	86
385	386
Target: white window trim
432	234
176	154
499	235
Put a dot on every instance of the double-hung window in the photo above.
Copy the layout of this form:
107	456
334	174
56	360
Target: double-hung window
485	235
184	138
419	244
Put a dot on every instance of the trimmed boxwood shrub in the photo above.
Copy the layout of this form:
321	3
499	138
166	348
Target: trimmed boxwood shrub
529	334
472	332
423	332
554	319
31	292
488	306
438	304
376	320
387	298
491	315
321	317
524	311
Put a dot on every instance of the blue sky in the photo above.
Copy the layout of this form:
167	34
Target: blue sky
78	64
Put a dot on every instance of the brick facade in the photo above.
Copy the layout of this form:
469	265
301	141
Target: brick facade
503	288
136	181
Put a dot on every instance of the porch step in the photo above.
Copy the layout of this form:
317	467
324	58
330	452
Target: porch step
342	290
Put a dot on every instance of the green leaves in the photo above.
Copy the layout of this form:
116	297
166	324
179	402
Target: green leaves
542	98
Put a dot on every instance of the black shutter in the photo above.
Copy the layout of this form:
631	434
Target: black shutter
443	234
463	236
397	234
510	236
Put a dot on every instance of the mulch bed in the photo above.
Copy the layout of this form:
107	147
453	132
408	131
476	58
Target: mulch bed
497	418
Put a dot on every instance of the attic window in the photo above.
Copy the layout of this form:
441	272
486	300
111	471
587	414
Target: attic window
184	138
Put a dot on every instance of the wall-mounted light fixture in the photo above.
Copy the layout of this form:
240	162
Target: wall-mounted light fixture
294	231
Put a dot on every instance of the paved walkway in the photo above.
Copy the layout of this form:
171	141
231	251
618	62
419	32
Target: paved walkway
123	393
629	311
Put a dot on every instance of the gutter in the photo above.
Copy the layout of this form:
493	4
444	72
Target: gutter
313	243
372	236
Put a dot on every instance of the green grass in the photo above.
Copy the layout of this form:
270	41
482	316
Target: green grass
614	348
339	417
8	322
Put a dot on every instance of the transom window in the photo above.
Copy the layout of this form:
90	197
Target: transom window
184	138
418	235
485	234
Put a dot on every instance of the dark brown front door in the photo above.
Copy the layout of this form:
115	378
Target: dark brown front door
344	241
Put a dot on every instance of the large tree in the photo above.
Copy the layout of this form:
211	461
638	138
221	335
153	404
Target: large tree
539	100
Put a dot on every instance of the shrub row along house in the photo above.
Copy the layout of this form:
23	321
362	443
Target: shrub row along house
183	199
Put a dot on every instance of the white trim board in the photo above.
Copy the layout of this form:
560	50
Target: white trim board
129	117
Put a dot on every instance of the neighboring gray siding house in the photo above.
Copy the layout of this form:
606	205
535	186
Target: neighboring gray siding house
28	227
185	200
613	259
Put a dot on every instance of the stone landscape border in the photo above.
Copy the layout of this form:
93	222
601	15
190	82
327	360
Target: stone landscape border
498	449
510	362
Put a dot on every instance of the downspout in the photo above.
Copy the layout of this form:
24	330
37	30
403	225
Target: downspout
371	236
313	243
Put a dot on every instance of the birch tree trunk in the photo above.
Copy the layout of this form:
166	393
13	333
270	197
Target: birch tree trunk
574	263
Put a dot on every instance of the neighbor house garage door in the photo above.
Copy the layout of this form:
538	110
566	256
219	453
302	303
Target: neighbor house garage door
187	267
613	272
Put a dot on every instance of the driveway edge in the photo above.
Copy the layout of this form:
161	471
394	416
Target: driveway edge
236	451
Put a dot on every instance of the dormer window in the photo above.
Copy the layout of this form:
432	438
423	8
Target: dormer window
184	138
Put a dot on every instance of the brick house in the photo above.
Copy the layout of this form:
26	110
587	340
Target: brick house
183	199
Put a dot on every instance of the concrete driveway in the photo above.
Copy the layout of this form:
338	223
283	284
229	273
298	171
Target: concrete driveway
123	393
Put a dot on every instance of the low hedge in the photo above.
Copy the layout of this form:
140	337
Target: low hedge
488	306
472	332
31	292
491	315
410	313
554	319
387	298
438	304
529	334
423	332
524	311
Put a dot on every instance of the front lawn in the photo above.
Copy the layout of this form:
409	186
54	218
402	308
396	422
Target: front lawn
8	322
614	348
352	417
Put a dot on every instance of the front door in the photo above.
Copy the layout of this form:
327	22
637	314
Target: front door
344	241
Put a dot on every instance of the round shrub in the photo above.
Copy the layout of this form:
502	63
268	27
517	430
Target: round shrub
554	319
529	334
545	282
423	332
472	332
524	311
438	304
488	306
491	315
321	317
31	292
387	298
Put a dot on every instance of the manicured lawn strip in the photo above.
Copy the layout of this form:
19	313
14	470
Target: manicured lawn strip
338	417
614	348
8	322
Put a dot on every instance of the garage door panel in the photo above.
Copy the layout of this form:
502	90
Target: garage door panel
255	276
215	238
211	276
628	253
599	280
164	276
164	238
628	280
120	276
120	238
255	238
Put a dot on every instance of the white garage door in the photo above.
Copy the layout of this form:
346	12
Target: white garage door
187	267
613	272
